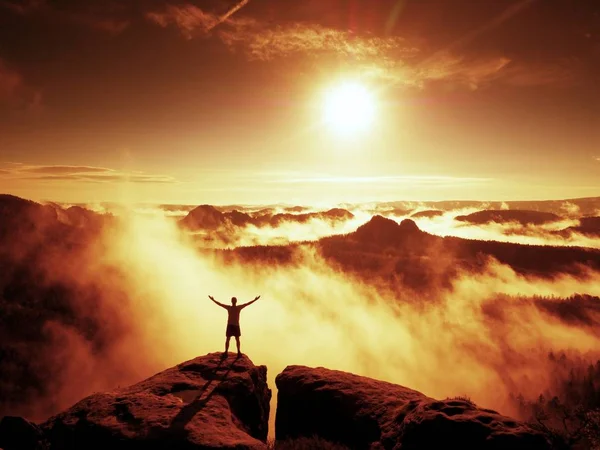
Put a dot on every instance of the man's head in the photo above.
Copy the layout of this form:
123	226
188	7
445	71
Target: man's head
233	301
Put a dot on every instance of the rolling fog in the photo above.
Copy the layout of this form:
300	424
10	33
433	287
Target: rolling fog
444	224
543	234
155	313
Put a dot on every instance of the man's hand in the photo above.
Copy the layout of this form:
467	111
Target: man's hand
250	302
220	304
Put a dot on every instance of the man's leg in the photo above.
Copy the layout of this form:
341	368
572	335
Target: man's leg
237	342
227	344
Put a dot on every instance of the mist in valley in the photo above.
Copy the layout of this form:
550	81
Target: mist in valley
137	300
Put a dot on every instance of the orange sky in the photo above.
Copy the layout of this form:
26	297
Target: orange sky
167	102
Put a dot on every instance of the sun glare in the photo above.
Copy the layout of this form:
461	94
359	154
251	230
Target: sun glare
349	108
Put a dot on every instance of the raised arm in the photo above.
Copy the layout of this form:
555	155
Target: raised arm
249	303
220	304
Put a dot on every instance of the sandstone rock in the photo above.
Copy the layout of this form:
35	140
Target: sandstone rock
205	403
363	413
383	231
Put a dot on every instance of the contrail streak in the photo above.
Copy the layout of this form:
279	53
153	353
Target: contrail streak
507	14
229	13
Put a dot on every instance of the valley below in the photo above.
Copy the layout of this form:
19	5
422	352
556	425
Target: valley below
492	305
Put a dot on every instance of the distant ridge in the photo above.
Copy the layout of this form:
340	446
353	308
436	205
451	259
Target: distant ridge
522	216
206	217
209	218
590	226
25	218
427	214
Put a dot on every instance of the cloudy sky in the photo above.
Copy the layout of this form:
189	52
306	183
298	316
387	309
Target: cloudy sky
222	101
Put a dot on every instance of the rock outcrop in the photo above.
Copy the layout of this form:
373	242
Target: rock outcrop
205	403
363	413
383	232
214	403
17	433
203	217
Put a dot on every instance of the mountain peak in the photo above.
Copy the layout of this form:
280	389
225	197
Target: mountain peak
203	217
205	209
379	223
383	230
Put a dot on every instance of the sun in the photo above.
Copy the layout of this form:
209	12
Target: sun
348	107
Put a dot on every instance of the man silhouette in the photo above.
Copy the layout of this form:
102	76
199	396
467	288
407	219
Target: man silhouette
233	321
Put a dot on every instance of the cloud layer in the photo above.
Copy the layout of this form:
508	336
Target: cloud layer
16	171
152	282
387	58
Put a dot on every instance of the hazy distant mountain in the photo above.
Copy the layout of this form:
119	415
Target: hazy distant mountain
576	207
523	217
207	218
572	207
20	216
400	253
295	209
332	215
427	214
432	251
79	216
388	208
587	225
176	208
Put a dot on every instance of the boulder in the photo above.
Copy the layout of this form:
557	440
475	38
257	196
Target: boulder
17	433
205	403
363	413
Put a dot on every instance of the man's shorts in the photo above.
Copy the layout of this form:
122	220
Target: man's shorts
233	330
